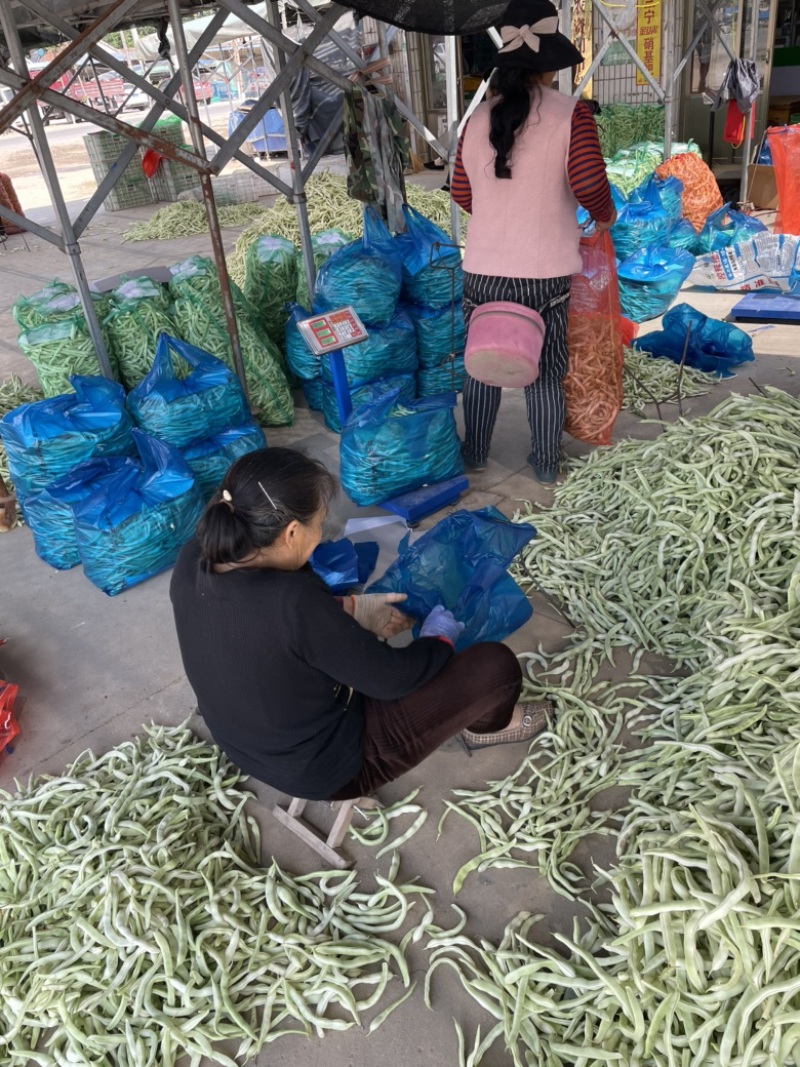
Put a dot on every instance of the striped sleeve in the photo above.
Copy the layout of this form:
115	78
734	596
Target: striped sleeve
460	188
586	169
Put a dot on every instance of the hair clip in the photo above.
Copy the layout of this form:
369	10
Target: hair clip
227	499
269	498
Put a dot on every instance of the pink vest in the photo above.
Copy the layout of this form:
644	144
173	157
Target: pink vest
523	227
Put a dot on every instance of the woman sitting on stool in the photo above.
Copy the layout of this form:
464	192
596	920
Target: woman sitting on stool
296	685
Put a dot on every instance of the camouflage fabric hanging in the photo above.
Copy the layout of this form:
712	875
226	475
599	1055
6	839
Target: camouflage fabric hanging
377	153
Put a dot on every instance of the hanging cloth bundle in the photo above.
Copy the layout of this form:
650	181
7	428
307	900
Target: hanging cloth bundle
740	88
377	153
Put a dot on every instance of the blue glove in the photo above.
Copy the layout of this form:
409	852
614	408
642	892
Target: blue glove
441	623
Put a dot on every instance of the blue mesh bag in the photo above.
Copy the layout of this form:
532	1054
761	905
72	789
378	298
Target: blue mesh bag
439	332
388	351
138	519
47	438
389	447
682	235
312	391
211	458
406	383
302	361
365	274
725	227
661	192
448	377
650	281
432	272
715	347
49	512
639	225
180	410
462	563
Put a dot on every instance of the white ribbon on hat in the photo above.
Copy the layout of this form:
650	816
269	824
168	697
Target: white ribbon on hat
516	36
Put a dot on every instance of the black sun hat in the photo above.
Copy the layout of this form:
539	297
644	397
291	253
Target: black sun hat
532	40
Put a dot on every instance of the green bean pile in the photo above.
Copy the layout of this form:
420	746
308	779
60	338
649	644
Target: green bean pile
647	380
200	317
27	310
271	283
687	546
329	205
58	350
136	925
140	314
376	833
622	125
185	218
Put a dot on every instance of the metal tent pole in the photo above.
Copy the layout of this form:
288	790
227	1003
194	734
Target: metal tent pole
451	74
744	185
667	12
206	186
45	158
298	183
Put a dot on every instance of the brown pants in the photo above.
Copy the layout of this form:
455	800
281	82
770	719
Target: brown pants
476	690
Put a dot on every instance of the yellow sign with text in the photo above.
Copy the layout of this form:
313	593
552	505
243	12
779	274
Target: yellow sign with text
648	39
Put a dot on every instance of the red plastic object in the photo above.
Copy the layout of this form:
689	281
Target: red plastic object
151	161
9	728
629	330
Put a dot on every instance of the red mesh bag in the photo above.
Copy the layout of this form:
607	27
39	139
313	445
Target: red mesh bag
784	146
9	727
593	385
700	194
10	199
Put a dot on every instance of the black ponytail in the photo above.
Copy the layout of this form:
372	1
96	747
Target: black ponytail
515	89
262	493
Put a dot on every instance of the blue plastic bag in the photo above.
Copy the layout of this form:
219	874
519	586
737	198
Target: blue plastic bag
211	458
49	512
666	193
726	227
343	564
365	274
406	383
136	522
682	235
463	563
47	438
650	281
439	332
312	391
448	377
388	351
714	346
389	447
639	225
302	361
181	410
433	276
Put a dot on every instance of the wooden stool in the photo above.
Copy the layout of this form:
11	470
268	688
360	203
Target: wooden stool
325	847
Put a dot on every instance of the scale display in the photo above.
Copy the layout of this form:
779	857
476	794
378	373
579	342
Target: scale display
333	331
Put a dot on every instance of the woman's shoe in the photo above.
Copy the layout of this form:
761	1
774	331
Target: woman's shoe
546	475
535	719
472	463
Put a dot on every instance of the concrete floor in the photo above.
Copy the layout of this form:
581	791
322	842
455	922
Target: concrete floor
93	668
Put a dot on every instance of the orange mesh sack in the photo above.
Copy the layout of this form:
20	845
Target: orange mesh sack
8	724
784	146
701	193
593	385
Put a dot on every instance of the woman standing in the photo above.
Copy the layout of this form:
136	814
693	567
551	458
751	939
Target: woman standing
525	160
296	685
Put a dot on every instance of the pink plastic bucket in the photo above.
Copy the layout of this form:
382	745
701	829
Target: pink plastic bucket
504	344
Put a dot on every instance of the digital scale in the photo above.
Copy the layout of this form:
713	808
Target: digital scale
767	306
327	335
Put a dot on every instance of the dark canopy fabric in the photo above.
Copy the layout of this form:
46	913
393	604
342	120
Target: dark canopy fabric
450	17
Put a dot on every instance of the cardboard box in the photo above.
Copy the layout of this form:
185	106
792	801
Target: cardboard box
763	190
781	109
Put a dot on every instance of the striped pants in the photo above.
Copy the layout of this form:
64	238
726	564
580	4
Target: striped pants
545	398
